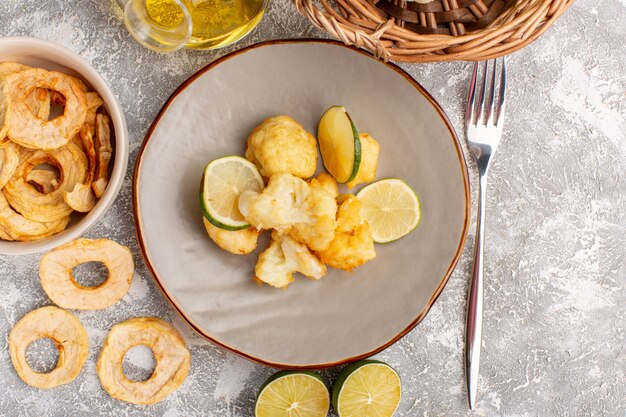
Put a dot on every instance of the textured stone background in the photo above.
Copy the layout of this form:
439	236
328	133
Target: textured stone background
555	293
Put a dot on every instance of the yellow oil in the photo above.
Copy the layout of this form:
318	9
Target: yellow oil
215	22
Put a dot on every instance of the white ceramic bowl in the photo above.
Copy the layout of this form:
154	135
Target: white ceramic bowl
48	55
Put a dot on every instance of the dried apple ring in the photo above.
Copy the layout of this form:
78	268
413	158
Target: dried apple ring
4	235
170	353
68	334
57	280
14	226
8	68
45	180
28	201
38	101
30	131
88	131
82	197
94	101
104	150
9	160
5	108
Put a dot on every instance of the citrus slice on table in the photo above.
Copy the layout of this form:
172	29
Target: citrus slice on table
340	144
391	208
293	394
223	181
367	389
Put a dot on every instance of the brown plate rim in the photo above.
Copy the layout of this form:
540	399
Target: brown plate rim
433	298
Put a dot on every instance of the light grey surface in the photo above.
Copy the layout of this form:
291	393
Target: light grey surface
553	341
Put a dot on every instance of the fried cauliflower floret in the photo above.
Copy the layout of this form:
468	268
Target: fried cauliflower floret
284	256
239	242
353	244
291	206
327	183
369	161
280	144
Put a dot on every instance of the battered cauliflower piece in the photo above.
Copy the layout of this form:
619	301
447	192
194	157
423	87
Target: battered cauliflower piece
239	242
280	144
327	183
369	161
291	206
353	244
284	256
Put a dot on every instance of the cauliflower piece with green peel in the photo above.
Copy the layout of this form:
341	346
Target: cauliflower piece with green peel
284	257
369	161
239	242
291	206
353	244
280	144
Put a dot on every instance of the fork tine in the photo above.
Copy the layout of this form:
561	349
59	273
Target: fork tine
482	119
490	108
502	94
470	112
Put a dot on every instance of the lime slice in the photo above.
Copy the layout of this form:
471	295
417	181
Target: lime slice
391	208
224	179
367	389
293	394
340	145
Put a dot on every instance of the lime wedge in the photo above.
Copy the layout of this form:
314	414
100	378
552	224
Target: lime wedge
340	144
391	208
293	394
223	181
367	389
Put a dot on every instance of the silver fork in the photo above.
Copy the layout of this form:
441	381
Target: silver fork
483	128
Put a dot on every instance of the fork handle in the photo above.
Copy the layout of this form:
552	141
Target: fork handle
474	324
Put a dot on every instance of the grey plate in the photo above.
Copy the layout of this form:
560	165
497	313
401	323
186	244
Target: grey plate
344	316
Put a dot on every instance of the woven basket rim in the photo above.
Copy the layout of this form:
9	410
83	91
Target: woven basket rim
359	23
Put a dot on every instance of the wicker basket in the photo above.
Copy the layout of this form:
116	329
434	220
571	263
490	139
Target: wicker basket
439	30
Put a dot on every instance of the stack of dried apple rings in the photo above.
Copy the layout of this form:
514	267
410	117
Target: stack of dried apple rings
48	168
55	270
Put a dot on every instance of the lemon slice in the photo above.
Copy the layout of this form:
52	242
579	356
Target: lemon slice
367	389
391	208
293	394
340	144
223	181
